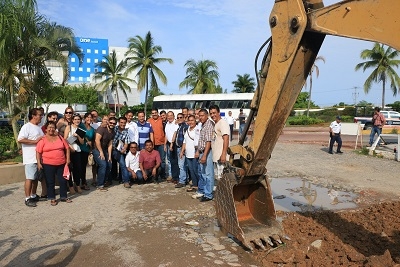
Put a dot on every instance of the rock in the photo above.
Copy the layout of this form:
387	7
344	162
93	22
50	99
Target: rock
210	254
317	244
218	262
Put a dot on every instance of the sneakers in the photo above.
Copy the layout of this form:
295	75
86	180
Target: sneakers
102	189
169	179
179	185
35	199
30	202
197	195
127	185
205	199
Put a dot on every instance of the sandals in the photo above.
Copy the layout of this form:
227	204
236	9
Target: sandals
67	200
53	202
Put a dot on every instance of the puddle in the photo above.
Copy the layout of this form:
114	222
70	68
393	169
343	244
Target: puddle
295	194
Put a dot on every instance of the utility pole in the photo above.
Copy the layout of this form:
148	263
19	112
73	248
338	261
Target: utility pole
355	94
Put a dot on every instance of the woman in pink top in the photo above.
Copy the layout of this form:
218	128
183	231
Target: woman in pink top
52	153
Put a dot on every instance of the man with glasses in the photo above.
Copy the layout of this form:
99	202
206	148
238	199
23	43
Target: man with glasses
159	139
102	152
170	147
120	147
144	129
179	137
29	135
51	116
132	163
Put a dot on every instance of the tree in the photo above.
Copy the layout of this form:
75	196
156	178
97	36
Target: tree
142	56
201	77
316	69
395	106
244	84
115	76
382	60
302	101
27	40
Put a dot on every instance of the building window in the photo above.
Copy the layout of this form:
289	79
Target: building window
72	68
80	69
88	79
103	52
87	69
88	50
72	78
80	79
96	51
72	59
88	60
96	60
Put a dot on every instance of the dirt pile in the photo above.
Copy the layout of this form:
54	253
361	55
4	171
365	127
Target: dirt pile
364	237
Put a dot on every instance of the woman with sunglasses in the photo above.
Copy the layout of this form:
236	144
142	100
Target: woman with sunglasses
65	121
87	145
76	159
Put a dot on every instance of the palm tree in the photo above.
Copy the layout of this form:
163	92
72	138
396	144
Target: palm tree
316	69
27	40
201	76
142	56
243	84
115	74
383	60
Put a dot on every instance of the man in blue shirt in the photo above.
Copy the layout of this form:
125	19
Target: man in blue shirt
144	129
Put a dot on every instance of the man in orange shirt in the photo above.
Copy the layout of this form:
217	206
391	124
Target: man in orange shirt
159	139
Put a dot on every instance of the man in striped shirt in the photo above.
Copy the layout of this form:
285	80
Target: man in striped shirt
145	130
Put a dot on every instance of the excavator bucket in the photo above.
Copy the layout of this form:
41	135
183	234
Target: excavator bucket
246	211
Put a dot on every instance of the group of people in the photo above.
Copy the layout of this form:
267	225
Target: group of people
188	147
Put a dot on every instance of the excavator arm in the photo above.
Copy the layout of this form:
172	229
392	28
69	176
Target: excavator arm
243	199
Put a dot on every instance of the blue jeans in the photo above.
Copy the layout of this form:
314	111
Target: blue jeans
241	128
120	158
104	169
139	176
193	167
173	162
50	172
160	149
182	166
206	182
374	130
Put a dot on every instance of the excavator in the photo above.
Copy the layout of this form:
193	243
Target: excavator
243	199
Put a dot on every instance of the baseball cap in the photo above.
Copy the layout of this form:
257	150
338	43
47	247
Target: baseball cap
338	117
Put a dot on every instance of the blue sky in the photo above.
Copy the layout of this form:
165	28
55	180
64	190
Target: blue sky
228	32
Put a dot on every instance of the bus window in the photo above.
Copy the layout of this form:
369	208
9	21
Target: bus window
223	104
246	104
189	104
198	104
230	104
235	104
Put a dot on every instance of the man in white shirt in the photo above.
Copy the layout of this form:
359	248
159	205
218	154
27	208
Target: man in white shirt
334	131
170	147
132	163
220	143
132	127
231	121
29	136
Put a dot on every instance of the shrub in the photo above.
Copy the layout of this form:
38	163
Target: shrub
8	147
394	131
303	120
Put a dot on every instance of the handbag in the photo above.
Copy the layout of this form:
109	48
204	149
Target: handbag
90	159
66	172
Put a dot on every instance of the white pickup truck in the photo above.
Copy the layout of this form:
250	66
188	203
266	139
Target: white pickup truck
392	118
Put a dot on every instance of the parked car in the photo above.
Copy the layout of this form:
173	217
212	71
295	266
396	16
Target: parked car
392	118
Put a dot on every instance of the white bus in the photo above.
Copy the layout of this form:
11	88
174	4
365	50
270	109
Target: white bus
226	102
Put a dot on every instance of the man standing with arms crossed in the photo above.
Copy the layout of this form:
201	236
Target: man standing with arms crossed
29	136
221	142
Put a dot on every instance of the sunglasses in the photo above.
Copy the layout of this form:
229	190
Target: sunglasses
112	123
180	117
68	112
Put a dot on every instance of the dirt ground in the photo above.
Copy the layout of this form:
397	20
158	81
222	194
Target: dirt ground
158	225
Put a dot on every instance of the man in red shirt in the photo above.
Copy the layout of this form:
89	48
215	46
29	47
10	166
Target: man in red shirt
149	162
159	139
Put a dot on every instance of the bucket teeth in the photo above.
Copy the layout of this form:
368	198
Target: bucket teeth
268	241
259	244
277	238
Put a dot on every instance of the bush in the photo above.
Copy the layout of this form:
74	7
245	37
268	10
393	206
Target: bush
8	147
303	120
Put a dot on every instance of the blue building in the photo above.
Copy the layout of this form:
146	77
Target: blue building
94	50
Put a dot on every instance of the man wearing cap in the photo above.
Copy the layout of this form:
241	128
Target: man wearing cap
334	131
